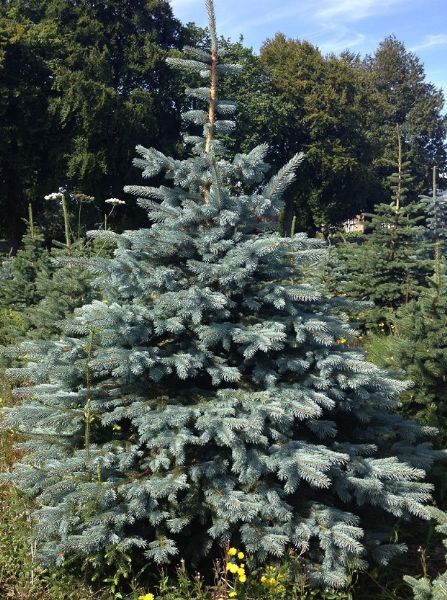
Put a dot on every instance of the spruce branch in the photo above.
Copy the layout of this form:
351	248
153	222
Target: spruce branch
281	181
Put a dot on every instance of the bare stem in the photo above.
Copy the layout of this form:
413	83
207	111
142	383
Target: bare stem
30	220
399	166
66	223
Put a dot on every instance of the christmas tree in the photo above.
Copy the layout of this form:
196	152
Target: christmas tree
420	346
19	292
213	395
390	267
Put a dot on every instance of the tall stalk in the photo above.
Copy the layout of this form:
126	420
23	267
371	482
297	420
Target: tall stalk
66	223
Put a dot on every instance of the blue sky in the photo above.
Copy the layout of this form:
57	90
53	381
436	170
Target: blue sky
334	25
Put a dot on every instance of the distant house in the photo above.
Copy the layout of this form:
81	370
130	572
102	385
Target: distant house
356	224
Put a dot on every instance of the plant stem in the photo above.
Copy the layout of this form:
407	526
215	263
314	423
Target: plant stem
66	223
30	220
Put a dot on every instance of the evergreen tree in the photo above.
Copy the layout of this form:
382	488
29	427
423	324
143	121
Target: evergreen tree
420	349
404	98
424	589
420	341
389	268
213	395
19	291
74	78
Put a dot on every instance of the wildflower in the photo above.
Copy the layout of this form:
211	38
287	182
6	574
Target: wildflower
272	581
243	578
82	197
232	568
232	595
231	551
147	597
241	571
342	340
263	579
114	201
54	196
240	555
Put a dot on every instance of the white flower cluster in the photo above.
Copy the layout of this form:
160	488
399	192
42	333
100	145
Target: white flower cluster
54	196
114	201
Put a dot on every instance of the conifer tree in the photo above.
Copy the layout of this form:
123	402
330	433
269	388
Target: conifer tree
420	348
389	268
424	589
18	290
213	396
62	286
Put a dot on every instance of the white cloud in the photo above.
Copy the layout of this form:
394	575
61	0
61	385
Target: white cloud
344	42
437	39
354	10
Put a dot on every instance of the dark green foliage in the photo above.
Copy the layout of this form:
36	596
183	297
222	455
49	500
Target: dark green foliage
421	327
404	98
423	588
19	291
62	287
325	111
388	266
75	77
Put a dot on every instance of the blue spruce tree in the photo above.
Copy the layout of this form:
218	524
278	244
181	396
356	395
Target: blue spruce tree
212	395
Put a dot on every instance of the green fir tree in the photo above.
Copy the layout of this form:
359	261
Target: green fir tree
213	395
19	291
388	268
424	589
420	341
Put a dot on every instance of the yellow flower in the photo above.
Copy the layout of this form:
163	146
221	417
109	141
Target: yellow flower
263	579
147	597
232	568
272	581
280	588
232	552
241	571
242	577
240	555
232	595
342	340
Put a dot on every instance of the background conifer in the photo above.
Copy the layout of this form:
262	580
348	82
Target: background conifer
389	267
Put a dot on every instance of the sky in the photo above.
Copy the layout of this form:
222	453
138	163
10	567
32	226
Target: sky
334	25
